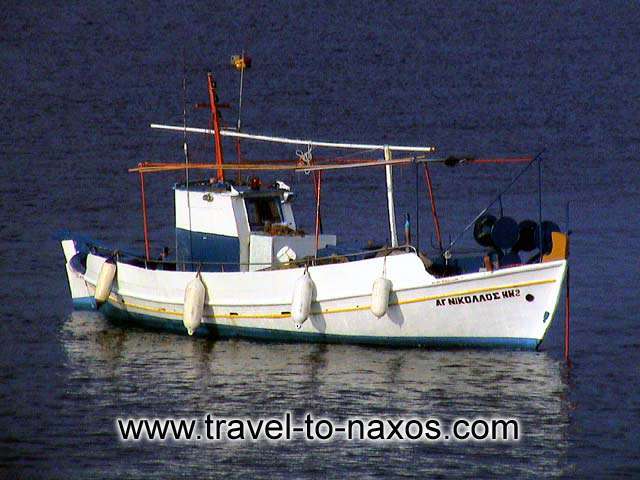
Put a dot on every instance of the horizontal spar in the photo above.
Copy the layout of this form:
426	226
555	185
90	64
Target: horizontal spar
295	166
170	167
291	141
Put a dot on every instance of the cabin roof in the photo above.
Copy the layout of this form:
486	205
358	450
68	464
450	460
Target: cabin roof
206	186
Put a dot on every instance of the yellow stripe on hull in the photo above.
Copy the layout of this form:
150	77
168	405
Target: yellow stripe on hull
113	299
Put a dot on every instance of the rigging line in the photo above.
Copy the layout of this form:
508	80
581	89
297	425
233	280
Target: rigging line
145	224
186	150
434	211
239	124
184	124
515	179
318	180
306	159
417	188
540	208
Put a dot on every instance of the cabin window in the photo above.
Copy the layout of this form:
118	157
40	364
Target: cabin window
263	210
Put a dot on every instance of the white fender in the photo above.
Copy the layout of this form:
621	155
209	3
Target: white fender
193	304
380	296
301	303
105	281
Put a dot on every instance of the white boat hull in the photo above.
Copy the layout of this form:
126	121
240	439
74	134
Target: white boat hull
511	307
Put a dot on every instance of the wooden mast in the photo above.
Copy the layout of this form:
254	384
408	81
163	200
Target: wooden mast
211	83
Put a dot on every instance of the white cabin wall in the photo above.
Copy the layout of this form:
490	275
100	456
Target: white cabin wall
264	248
244	232
217	216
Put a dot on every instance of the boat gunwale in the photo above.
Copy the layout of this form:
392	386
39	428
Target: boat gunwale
446	282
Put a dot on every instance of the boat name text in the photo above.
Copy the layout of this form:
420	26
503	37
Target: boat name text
483	297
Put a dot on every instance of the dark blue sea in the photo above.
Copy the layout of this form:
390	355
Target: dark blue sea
81	82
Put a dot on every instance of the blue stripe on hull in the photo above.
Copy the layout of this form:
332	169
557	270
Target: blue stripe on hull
227	331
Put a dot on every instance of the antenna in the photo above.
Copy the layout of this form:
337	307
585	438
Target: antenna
240	63
184	116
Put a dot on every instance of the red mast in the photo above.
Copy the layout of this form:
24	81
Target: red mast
216	125
147	252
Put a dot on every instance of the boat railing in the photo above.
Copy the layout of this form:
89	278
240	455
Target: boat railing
188	265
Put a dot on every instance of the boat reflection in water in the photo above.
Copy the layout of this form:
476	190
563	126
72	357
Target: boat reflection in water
135	373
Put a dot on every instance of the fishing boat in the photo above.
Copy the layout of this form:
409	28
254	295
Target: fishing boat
243	268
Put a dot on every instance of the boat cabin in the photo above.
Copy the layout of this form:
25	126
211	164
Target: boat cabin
224	227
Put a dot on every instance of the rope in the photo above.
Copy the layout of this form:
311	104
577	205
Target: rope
305	158
186	151
318	180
